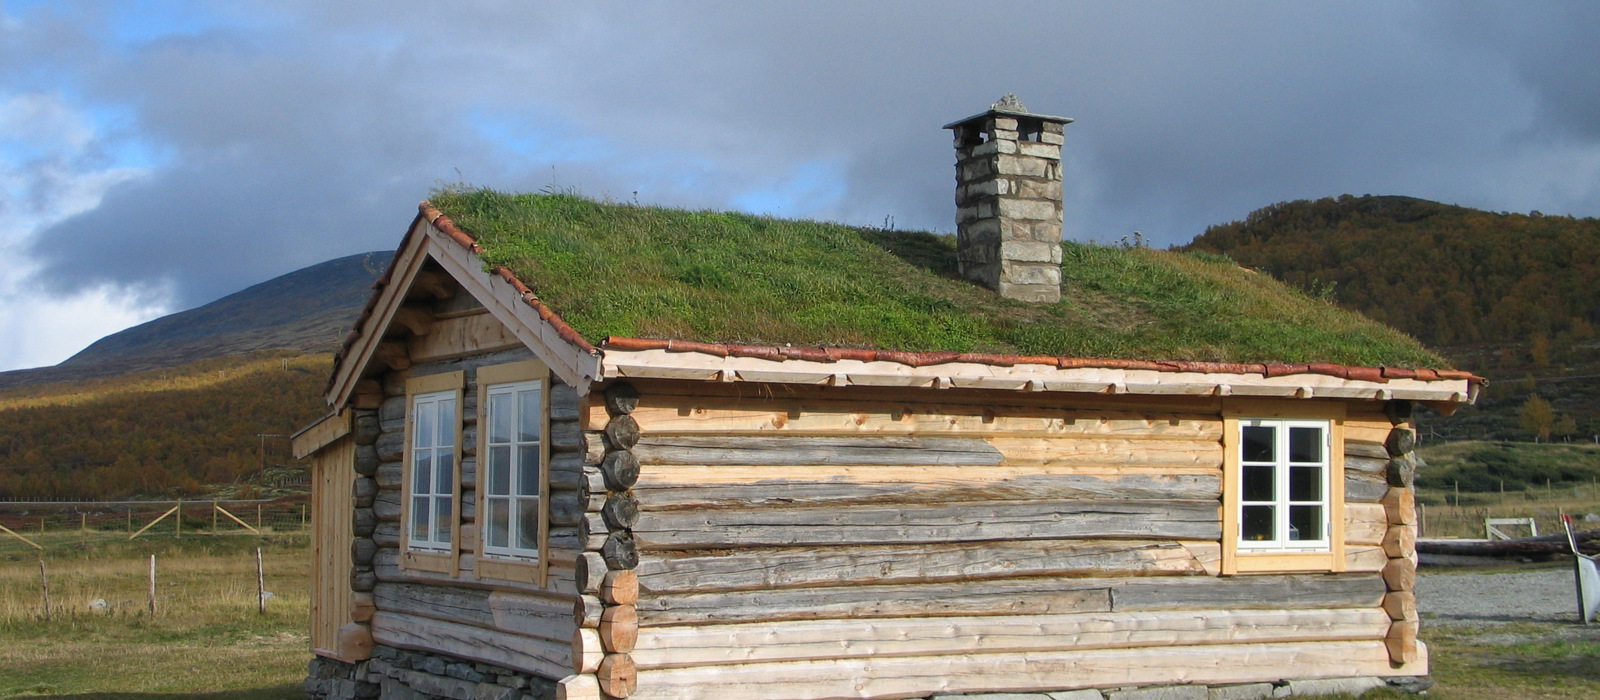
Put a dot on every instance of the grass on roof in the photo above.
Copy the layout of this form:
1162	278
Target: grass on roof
651	272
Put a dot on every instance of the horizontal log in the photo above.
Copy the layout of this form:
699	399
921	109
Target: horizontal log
920	676
668	488
1365	523
832	566
517	652
1123	452
983	520
1364	558
587	649
663	415
814	451
1373	450
1364	488
1401	506
620	587
617	675
386	564
545	617
676	647
1400	541
1021	596
619	628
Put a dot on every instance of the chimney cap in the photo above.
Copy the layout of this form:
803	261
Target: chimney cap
1008	106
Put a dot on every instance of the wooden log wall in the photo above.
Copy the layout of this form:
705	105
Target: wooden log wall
825	536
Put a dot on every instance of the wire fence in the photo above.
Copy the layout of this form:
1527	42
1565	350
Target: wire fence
30	520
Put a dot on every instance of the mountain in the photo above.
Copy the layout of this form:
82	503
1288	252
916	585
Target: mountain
308	310
1510	296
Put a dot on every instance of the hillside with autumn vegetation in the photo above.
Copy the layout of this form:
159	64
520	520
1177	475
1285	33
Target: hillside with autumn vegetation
1510	296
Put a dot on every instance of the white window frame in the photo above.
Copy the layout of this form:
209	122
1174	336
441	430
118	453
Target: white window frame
438	551
437	442
508	564
1281	502
521	499
1238	559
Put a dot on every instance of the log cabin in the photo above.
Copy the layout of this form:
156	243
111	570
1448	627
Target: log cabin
579	449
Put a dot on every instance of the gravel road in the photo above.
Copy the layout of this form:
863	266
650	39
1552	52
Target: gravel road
1461	597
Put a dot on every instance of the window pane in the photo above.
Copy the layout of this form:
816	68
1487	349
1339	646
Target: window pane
1259	483
441	520
500	470
1305	484
527	523
1258	523
530	415
500	417
447	422
444	474
499	523
1305	444
422	424
419	518
528	470
1259	443
1305	522
421	471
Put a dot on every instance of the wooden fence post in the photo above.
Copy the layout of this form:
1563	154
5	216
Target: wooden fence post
213	516
152	585
261	585
179	519
44	584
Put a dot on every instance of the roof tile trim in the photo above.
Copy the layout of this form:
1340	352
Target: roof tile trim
1379	375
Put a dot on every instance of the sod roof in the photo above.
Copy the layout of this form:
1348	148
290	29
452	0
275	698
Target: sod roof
631	271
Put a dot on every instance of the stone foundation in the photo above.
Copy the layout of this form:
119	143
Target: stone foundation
399	674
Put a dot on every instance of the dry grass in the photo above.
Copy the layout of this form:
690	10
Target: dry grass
205	637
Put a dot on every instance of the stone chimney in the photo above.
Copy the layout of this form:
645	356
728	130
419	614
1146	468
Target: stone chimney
1008	200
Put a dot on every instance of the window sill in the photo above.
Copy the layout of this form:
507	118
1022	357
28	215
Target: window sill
514	570
424	560
1246	562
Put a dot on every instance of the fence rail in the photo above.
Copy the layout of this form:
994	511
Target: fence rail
173	518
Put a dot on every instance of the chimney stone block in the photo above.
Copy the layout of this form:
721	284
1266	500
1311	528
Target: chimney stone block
1039	149
1026	209
1031	251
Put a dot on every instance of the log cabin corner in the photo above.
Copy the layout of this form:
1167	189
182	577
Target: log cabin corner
564	459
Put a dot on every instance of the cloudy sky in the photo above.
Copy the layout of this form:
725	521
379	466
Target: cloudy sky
157	155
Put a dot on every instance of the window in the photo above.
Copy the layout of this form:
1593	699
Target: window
430	517
513	513
514	457
1283	486
1283	499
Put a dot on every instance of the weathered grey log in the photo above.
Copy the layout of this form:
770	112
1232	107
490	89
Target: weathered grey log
587	611
589	571
621	399
366	461
390	475
513	651
363	522
622	432
468	509
564	402
1373	466
469	472
362	491
568	538
1359	448
1400	441
621	510
393	408
532	614
386	505
1004	597
366	427
794	567
566	508
569	480
362	579
1203	592
566	436
802	450
619	551
875	524
361	551
1363	488
566	462
1397	410
391	446
621	470
394	383
386	534
1402	469
1588	542
665	495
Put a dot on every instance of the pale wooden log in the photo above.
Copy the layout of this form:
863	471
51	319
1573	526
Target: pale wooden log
667	488
621	399
676	416
587	651
620	588
1208	554
676	647
1400	506
1024	596
1400	605
587	610
415	319
439	285
1400	575
1361	558
578	687
619	628
548	618
1402	641
800	450
920	676
361	606
594	446
513	651
622	432
1376	431
932	523
461	336
798	567
1165	453
393	354
368	394
355	642
1365	523
617	675
665	392
1400	541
